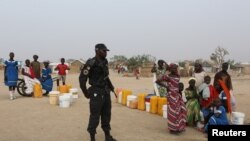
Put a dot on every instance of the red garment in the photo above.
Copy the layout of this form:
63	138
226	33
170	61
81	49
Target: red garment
62	69
32	73
213	96
227	92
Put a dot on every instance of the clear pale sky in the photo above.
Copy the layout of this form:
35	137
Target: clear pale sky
167	29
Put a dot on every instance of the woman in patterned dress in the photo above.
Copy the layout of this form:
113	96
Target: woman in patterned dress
176	111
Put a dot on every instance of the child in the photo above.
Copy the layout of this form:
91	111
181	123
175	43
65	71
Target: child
137	73
11	75
181	88
219	117
62	71
47	82
208	95
29	77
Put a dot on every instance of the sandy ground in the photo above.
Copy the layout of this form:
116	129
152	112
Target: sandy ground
34	119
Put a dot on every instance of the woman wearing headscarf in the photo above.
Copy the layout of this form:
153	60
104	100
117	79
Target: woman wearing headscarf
47	82
160	69
193	106
199	74
176	111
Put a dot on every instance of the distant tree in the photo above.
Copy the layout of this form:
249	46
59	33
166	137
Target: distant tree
119	58
218	56
1	60
139	60
233	64
70	60
182	63
199	61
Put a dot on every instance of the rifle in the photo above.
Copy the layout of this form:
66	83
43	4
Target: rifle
110	85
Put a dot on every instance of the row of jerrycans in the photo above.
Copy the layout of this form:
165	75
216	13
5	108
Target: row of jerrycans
156	103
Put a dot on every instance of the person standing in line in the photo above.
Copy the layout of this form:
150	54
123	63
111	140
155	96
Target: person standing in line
222	81
160	69
97	71
176	111
11	75
62	72
199	74
36	67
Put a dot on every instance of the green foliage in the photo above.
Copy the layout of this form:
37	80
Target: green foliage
119	58
182	64
133	62
1	60
233	64
139	60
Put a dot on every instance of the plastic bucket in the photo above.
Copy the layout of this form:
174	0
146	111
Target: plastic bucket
147	106
70	96
237	118
54	97
133	104
64	101
74	92
165	111
131	98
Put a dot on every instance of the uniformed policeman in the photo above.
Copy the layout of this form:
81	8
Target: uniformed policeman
97	71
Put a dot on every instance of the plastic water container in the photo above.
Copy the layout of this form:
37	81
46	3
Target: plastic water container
165	111
141	101
147	106
70	95
125	93
131	98
147	98
63	89
74	92
64	101
161	101
153	104
237	118
54	97
37	91
133	104
120	97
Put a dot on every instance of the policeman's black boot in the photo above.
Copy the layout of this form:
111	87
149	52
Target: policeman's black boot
108	137
92	137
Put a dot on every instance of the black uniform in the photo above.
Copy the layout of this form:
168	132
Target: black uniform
99	93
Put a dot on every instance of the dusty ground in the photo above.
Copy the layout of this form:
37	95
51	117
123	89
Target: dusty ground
30	119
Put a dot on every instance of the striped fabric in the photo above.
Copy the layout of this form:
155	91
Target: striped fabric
176	107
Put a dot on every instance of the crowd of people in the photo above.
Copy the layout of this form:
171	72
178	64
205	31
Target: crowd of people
202	103
32	73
